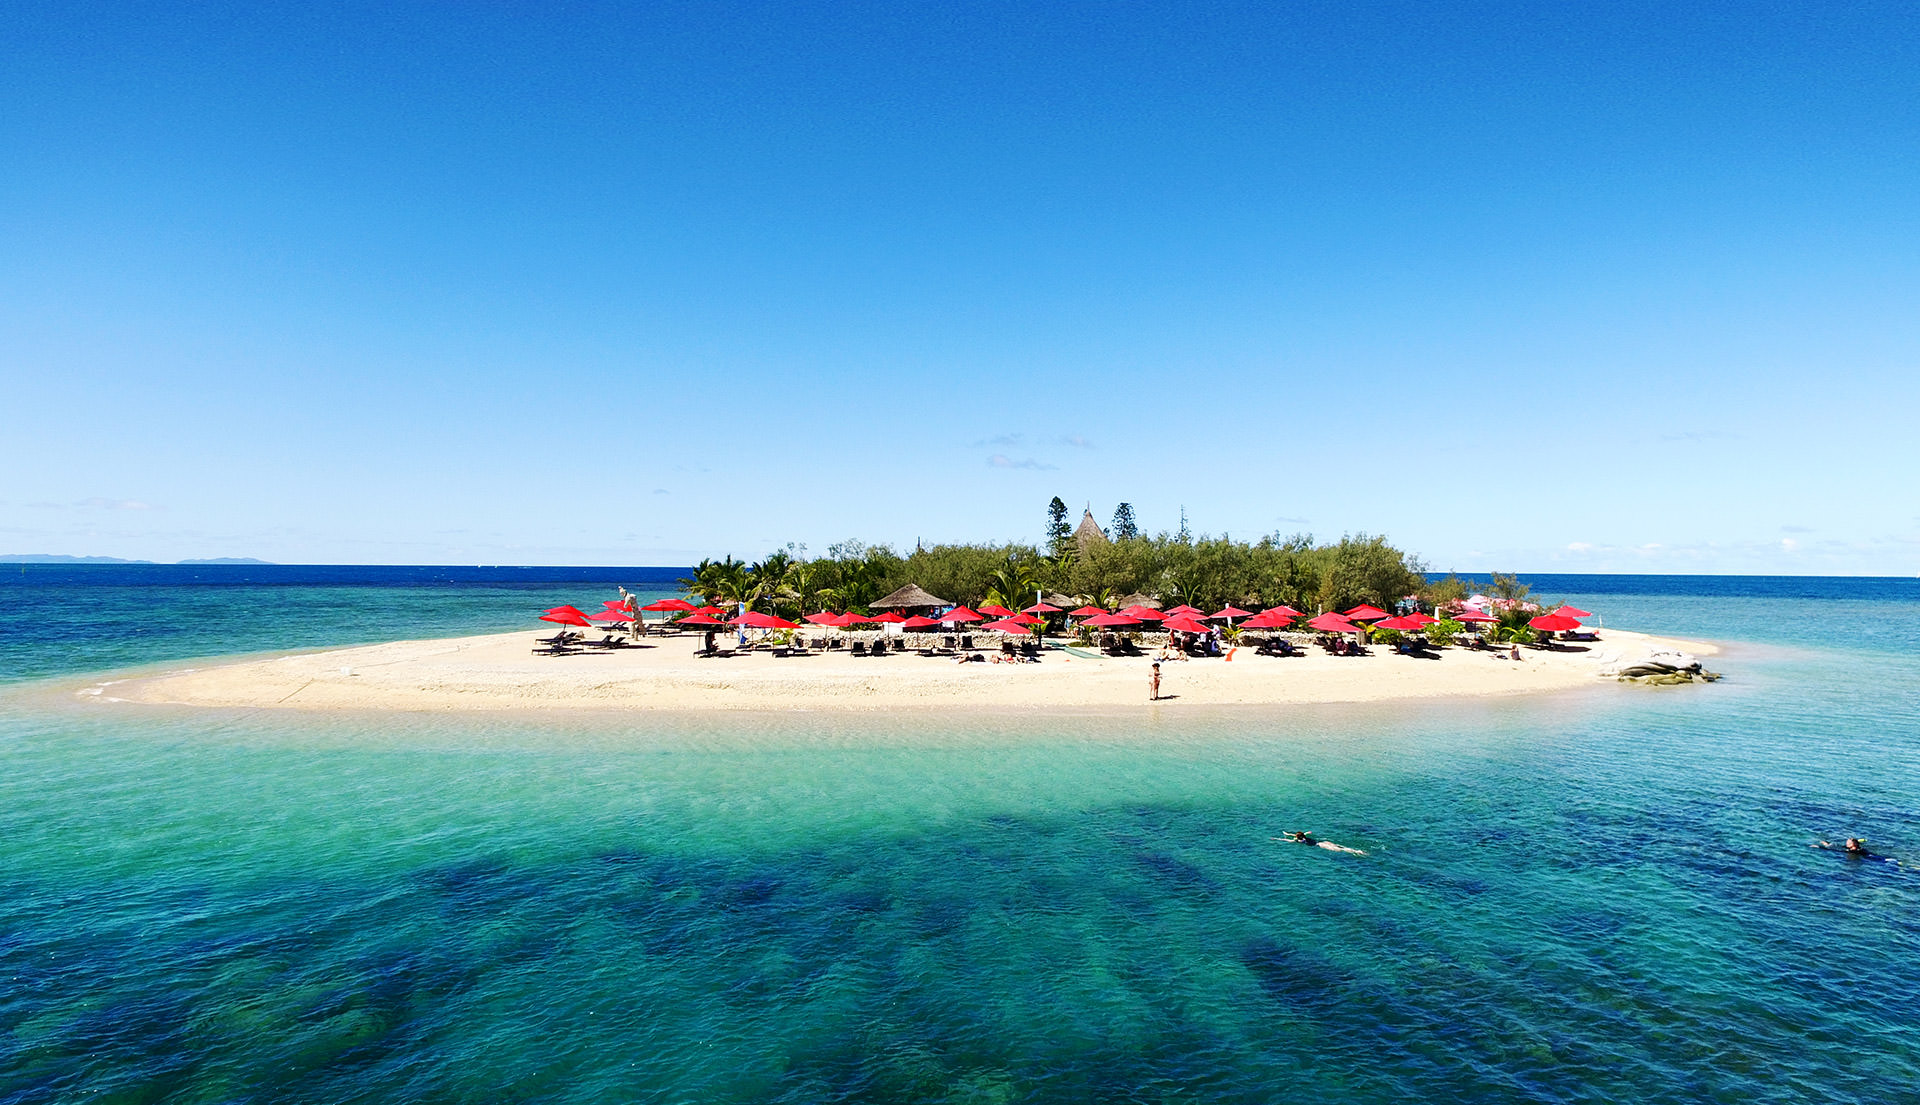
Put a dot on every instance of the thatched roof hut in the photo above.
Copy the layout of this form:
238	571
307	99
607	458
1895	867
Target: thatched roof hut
910	597
1089	534
1139	599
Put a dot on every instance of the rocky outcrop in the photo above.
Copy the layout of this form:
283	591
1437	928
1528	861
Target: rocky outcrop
1663	669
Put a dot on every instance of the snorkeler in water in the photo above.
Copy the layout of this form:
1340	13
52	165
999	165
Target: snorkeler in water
1298	836
1855	847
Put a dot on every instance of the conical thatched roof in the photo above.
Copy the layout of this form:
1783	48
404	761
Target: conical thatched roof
1138	599
1064	602
908	598
1089	534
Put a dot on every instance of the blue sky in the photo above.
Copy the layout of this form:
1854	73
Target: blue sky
1552	287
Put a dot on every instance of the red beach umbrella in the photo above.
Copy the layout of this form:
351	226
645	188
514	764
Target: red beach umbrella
697	618
1423	619
891	617
1365	613
566	615
1283	608
676	606
1026	619
822	618
1554	623
918	621
997	611
1405	624
1268	619
754	619
1478	616
1185	623
961	614
850	618
1004	625
1087	612
1108	621
1183	608
1333	623
1143	613
1231	611
1574	612
610	616
1041	608
709	610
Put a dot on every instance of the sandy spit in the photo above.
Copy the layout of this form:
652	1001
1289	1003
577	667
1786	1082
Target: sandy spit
501	672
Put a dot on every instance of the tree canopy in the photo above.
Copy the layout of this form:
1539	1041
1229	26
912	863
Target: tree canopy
1207	572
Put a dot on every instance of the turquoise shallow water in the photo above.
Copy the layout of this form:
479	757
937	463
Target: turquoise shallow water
1601	896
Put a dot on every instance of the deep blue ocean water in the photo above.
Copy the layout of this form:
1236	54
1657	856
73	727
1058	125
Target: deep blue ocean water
1607	895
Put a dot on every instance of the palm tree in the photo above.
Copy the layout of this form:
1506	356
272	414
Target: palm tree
1013	586
721	581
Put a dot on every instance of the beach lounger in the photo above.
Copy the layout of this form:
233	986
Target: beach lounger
859	648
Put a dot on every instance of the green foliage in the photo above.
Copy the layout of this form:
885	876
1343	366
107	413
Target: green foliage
1124	528
1445	631
1512	627
1365	568
1208	572
720	582
1443	591
1059	532
1015	584
1381	636
1506	585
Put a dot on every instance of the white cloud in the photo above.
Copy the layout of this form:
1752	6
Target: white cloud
1001	460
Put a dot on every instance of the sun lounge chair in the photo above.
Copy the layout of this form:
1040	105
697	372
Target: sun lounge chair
859	648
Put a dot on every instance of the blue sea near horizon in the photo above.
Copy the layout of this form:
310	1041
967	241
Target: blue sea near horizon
1607	895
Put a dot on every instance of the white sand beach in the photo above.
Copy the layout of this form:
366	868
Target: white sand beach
501	672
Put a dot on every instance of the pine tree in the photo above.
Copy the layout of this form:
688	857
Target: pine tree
1124	528
1059	533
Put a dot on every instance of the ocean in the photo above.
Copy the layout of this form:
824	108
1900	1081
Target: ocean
1609	895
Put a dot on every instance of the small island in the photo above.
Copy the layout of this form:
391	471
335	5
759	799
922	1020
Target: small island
1077	623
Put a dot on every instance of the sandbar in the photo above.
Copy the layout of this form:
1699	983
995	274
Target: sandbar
501	672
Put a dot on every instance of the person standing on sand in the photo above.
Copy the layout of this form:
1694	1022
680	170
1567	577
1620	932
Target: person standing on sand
1153	682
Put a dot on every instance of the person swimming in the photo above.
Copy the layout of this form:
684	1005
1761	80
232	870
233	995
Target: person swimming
1298	836
1856	848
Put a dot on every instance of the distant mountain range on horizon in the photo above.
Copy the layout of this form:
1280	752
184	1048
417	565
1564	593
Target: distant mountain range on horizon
49	558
